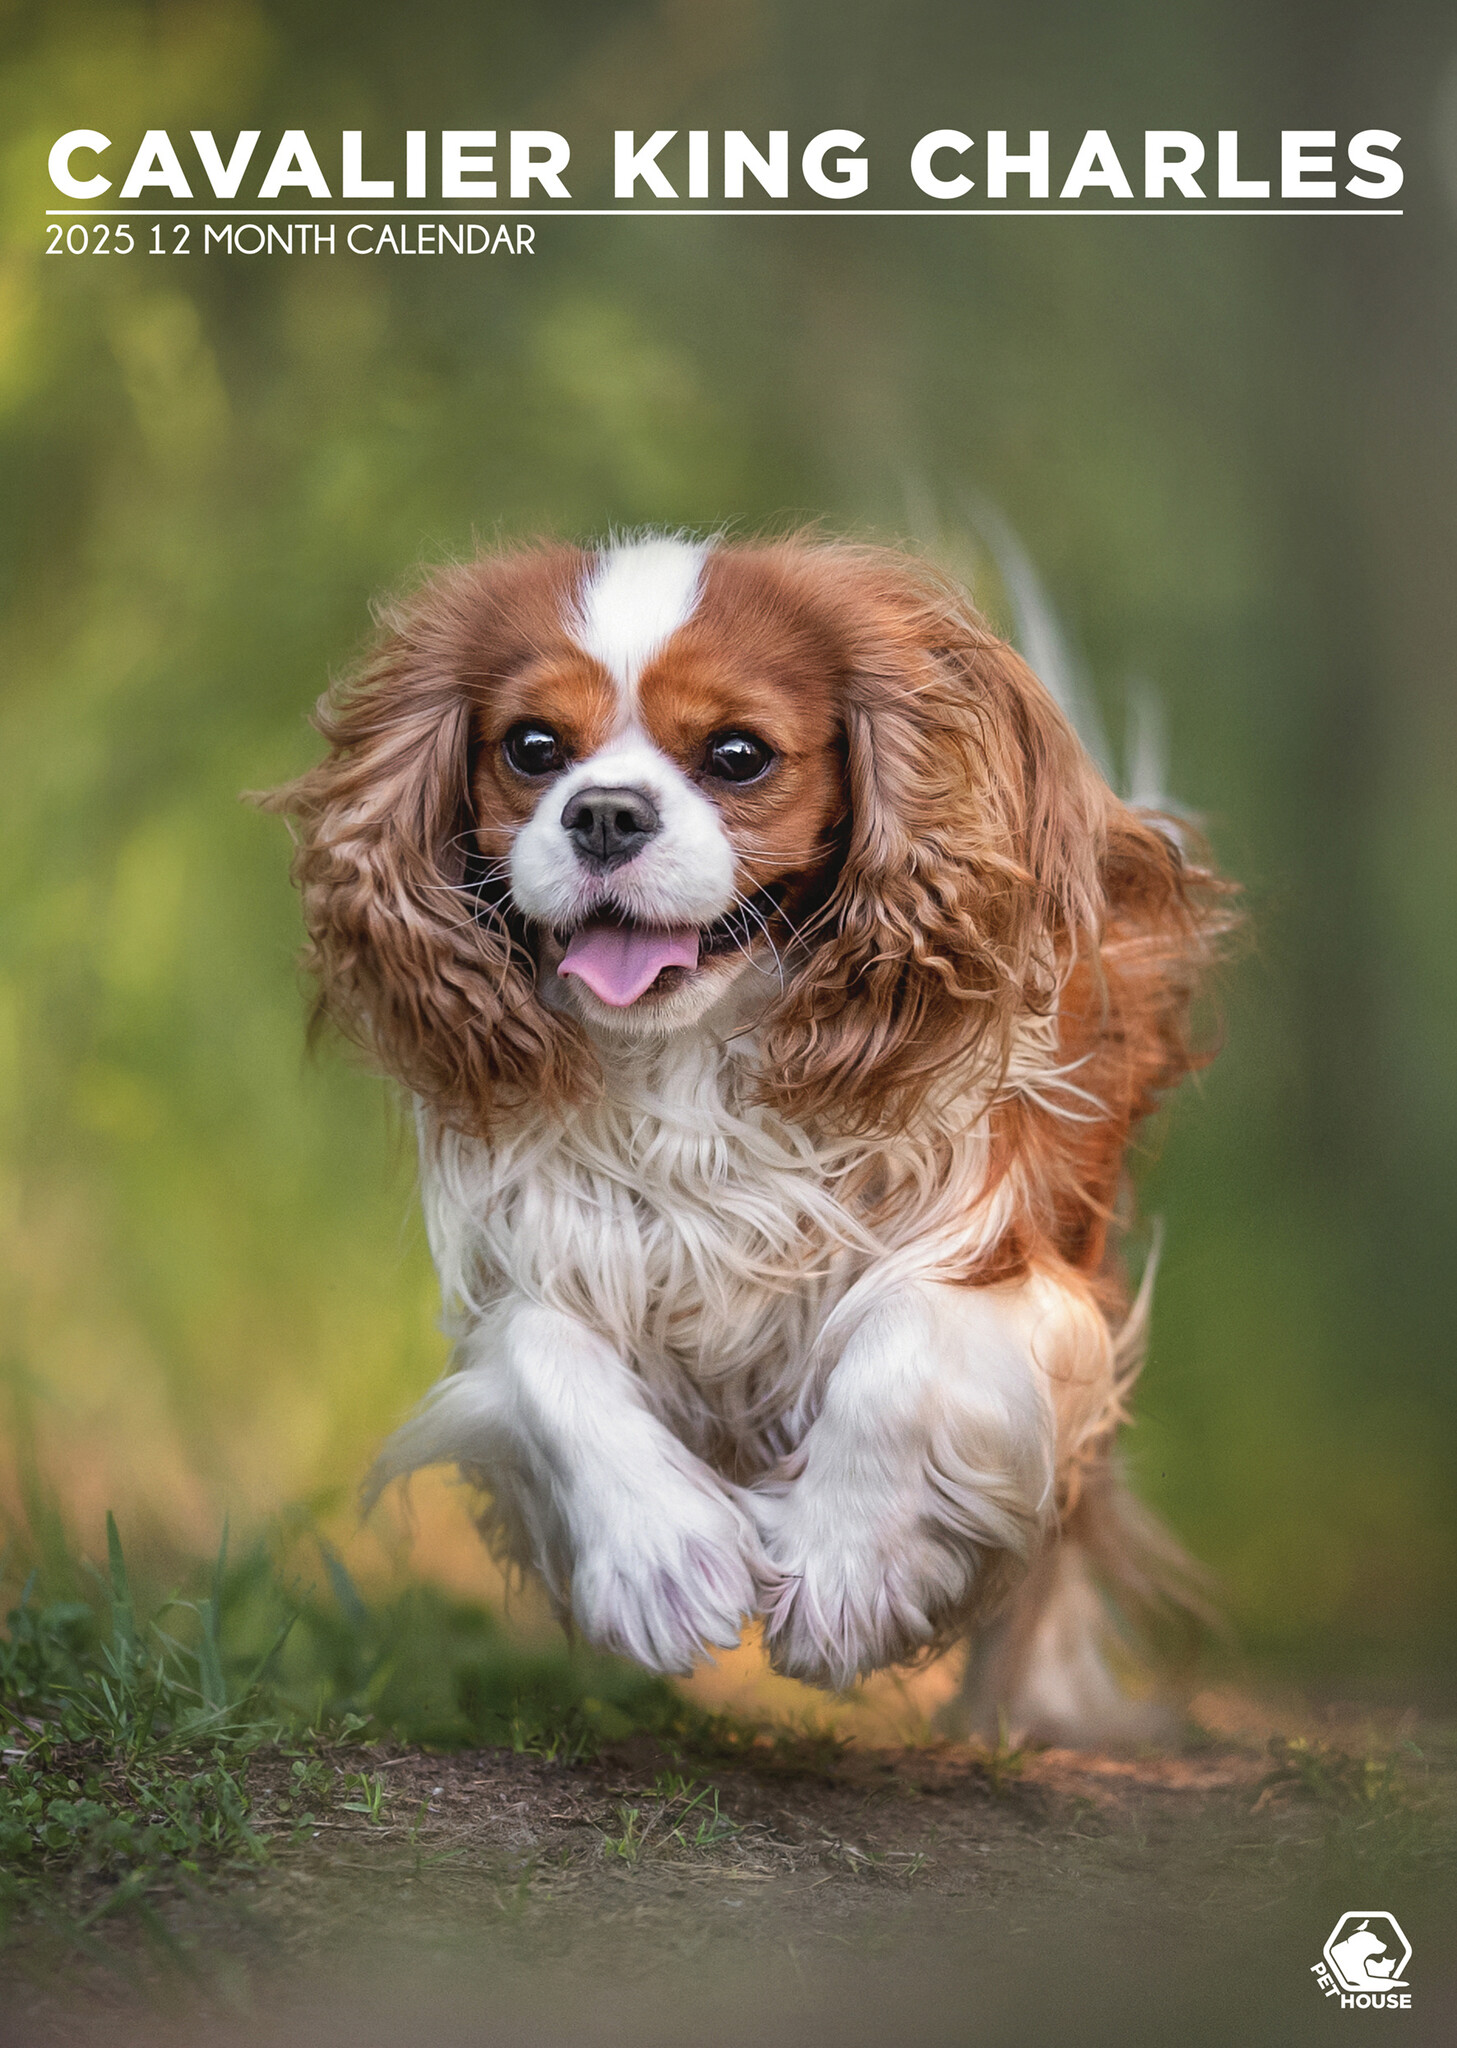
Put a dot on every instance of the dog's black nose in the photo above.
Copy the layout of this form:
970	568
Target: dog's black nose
608	826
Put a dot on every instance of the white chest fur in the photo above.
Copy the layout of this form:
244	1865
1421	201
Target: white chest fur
706	1240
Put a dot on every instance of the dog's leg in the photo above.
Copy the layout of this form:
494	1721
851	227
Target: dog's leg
1040	1670
926	1479
648	1549
1106	1602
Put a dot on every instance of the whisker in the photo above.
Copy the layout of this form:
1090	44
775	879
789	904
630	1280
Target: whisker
751	909
777	853
780	913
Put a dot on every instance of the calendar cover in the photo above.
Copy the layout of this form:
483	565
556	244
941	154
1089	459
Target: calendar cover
1136	324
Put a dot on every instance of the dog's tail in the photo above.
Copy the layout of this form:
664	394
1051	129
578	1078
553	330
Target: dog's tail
979	528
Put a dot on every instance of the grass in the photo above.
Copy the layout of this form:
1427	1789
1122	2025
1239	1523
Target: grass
125	1752
684	1817
129	1727
1378	1824
1333	1778
1002	1763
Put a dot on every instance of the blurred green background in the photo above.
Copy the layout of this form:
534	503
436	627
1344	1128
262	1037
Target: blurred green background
1228	446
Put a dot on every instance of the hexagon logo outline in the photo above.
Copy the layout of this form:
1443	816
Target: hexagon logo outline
1359	1954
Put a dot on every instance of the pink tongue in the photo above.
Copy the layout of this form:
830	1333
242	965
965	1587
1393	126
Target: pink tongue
618	962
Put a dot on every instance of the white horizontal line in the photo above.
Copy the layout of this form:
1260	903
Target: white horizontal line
447	212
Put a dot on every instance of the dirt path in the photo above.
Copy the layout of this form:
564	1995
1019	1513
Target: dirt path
795	1893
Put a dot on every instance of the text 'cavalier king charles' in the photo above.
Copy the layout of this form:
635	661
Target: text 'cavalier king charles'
779	983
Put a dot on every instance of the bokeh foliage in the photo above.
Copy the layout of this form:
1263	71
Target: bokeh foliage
1226	444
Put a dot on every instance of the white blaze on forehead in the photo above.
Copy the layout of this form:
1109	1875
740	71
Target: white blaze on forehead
637	597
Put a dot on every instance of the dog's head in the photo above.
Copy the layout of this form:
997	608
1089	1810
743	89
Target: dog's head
663	785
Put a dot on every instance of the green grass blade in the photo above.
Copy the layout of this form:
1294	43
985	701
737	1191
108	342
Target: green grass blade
210	1679
123	1609
351	1601
260	1669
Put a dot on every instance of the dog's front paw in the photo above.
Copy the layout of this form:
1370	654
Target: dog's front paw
854	1595
657	1578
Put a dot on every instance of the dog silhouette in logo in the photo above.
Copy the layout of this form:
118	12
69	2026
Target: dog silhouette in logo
1362	1960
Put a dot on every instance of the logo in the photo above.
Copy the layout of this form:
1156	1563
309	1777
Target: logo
1365	1962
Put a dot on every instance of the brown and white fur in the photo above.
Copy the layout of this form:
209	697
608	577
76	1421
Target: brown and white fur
783	1287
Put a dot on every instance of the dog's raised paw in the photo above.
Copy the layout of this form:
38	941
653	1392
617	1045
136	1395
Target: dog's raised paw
850	1606
662	1586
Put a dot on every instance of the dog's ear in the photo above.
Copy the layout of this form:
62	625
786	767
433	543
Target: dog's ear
975	827
412	958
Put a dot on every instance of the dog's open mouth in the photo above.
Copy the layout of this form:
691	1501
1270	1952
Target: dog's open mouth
621	960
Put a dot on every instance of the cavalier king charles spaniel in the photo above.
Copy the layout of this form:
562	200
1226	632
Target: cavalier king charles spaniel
778	983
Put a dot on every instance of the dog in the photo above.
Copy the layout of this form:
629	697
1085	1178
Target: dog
778	984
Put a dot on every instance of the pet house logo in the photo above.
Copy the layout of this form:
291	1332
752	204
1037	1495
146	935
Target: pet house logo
1365	1961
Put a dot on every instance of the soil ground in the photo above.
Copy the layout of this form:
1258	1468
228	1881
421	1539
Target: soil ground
802	1892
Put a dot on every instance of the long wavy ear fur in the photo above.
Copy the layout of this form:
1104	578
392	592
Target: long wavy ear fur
413	961
976	828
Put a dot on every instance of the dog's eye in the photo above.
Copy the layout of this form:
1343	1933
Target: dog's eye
534	749
738	756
